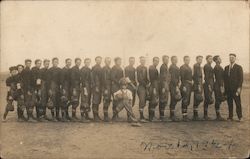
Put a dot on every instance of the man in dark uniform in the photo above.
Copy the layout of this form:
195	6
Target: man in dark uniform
65	89
174	86
54	88
142	78
20	93
197	87
154	88
186	86
29	96
164	86
106	78
96	78
219	89
130	73
85	90
44	89
233	77
116	75
208	85
11	83
37	85
75	81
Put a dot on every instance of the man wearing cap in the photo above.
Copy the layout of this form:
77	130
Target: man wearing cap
29	96
106	79
96	78
208	85
54	88
164	86
174	86
142	78
37	85
65	89
85	90
11	83
116	75
154	89
44	89
197	87
233	77
219	89
75	81
186	85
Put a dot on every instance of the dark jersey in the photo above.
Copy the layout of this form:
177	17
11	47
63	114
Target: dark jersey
174	74
142	75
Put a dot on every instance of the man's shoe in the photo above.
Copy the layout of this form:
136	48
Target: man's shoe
219	118
230	119
240	120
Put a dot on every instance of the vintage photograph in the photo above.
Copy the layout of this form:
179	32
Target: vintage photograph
124	79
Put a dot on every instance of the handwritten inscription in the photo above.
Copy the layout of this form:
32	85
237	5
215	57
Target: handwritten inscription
188	145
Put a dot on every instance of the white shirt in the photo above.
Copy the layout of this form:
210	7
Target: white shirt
125	92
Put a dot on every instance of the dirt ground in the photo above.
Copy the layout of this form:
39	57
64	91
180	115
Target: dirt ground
121	140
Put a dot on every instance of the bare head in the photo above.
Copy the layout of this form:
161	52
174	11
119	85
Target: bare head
142	60
107	61
38	63
68	62
156	61
165	59
55	62
118	61
28	63
87	62
217	59
174	60
131	61
78	62
186	60
209	59
20	68
199	59
46	63
98	60
232	58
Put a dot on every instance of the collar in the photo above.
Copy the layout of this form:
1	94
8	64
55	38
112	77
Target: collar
232	65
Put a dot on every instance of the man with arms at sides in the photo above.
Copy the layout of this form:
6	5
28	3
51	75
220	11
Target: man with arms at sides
164	86
197	87
20	93
44	89
208	85
233	77
142	78
116	75
75	87
186	86
65	89
29	95
175	95
219	89
37	85
54	88
106	79
154	89
96	78
86	90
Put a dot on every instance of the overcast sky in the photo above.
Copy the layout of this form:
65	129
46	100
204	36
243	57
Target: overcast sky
85	29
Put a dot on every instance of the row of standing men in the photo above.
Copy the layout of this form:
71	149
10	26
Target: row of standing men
57	89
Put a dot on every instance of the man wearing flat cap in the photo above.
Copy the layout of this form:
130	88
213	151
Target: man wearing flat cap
233	77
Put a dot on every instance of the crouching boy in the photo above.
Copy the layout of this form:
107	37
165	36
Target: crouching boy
124	98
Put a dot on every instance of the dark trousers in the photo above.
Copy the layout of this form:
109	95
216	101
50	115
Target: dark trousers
185	97
231	96
142	97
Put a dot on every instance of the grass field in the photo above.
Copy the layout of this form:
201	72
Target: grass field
120	140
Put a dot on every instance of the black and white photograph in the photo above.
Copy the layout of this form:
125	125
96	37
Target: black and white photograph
124	79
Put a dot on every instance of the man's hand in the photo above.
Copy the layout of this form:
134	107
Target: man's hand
97	89
18	85
105	91
85	91
163	90
209	88
38	81
199	88
238	91
184	89
29	93
222	89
